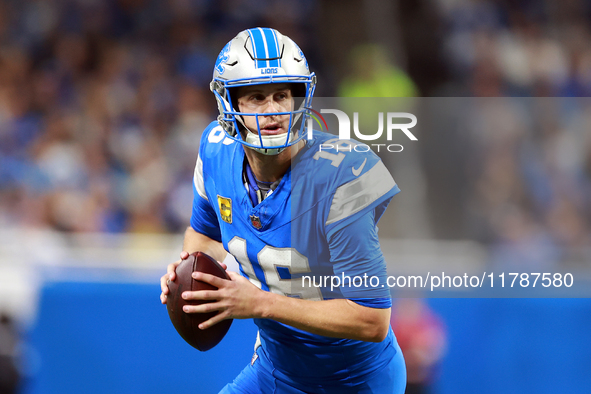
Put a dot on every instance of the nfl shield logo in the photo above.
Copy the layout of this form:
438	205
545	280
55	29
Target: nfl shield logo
256	222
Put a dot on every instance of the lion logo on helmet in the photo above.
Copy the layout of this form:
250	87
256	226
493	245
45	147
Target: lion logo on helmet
301	54
222	58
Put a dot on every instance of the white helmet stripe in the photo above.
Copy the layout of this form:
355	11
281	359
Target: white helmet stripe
277	49
265	45
256	46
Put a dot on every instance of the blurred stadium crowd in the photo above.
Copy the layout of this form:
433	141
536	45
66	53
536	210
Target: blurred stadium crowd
522	167
101	108
102	104
518	48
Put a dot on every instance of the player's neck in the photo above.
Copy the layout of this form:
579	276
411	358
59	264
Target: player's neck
270	168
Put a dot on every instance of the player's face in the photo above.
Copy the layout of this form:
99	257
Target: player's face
266	99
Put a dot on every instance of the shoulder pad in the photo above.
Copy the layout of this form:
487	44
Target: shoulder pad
336	162
214	139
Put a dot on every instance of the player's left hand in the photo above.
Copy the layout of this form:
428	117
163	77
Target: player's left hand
234	299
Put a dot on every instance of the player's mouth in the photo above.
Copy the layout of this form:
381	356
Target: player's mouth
272	129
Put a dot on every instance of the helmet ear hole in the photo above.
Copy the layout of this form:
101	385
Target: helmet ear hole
233	93
298	90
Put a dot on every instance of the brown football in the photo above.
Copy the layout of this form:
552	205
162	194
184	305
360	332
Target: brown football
187	324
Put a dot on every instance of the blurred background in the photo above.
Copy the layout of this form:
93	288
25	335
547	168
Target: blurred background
102	105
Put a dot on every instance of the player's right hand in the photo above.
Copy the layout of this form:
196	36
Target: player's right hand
170	276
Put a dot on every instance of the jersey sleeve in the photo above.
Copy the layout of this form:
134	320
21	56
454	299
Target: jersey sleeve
351	231
203	217
358	261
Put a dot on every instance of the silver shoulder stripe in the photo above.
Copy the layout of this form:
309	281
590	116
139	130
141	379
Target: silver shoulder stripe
356	195
198	178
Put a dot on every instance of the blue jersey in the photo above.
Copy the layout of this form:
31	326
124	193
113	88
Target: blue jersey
318	224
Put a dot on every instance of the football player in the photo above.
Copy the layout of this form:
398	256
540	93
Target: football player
289	205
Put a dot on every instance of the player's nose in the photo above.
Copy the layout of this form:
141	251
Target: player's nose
270	105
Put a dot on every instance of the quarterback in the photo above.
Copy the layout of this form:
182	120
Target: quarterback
266	194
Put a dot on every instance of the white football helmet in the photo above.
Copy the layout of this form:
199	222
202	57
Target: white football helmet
262	56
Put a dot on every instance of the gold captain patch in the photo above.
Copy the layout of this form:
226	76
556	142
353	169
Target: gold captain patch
225	208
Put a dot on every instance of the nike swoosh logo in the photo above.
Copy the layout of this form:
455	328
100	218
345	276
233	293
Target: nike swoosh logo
357	171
